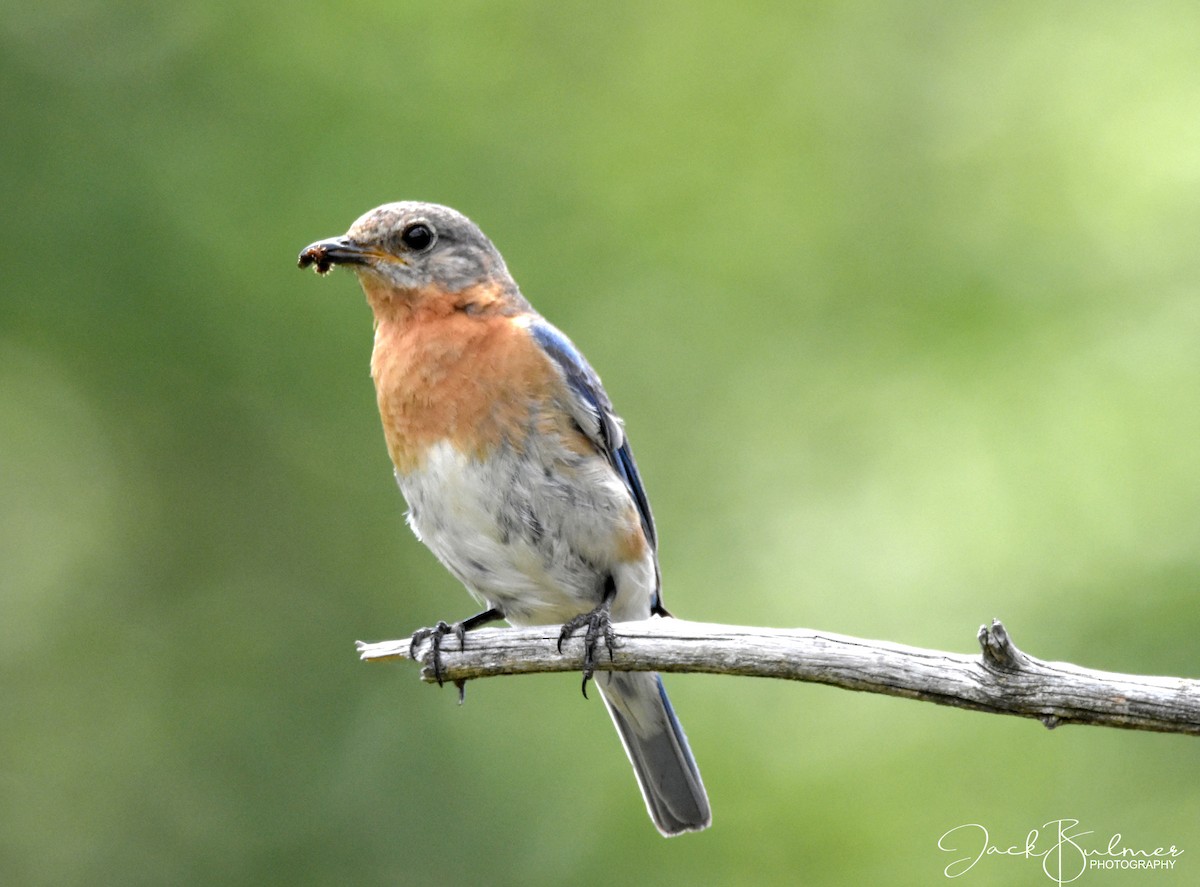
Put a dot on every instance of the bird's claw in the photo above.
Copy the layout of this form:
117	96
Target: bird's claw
434	636
597	624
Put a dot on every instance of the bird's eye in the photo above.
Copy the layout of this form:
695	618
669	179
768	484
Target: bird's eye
418	236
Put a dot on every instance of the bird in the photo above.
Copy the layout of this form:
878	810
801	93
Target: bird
516	469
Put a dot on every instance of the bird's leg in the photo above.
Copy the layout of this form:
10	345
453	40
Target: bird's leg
598	623
459	630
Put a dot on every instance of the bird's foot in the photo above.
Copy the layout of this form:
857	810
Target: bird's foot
597	624
435	636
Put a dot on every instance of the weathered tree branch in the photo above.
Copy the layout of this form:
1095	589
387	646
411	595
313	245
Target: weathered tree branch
1002	680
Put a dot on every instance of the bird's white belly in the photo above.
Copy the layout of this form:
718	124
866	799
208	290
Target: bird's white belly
538	545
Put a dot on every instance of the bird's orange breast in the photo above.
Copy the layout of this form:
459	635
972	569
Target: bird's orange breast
475	380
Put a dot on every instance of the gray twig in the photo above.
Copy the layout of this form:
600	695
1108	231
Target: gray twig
1003	680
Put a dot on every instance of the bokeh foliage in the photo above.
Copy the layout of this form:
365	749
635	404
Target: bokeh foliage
899	301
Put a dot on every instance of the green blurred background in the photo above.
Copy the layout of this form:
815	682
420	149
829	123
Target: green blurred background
899	301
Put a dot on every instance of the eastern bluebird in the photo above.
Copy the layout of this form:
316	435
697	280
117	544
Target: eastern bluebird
516	470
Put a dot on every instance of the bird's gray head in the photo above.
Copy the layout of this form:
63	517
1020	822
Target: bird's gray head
412	246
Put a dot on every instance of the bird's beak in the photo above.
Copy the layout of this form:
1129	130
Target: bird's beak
324	254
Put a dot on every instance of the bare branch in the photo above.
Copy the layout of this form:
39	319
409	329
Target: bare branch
1002	680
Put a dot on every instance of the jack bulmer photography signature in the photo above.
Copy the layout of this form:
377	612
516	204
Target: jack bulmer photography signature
1064	856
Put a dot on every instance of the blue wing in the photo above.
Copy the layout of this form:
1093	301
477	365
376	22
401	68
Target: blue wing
595	416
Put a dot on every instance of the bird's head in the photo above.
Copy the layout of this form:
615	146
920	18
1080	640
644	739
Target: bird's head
410	248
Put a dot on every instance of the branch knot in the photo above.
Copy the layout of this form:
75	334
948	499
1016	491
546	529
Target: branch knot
999	652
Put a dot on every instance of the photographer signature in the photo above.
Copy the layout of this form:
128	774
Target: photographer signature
1064	857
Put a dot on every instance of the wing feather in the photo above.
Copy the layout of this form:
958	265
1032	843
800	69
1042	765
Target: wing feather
593	411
